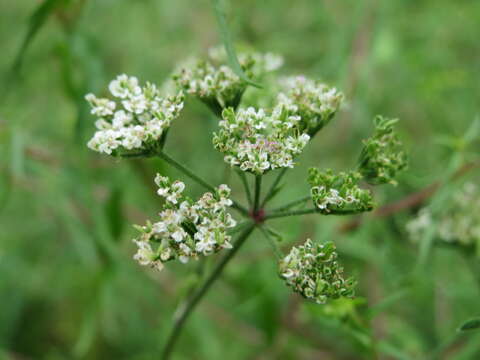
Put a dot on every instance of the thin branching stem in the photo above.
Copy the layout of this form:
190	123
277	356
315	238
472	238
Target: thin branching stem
243	177
289	213
271	191
197	179
239	227
258	188
291	204
273	243
183	312
308	211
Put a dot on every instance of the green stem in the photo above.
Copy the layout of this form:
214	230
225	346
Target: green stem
258	187
272	189
292	204
308	211
239	227
197	179
273	243
290	213
243	177
181	315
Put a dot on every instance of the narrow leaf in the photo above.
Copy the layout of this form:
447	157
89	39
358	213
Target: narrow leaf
227	42
36	21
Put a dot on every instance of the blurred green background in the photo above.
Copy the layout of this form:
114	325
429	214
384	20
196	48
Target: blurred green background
69	288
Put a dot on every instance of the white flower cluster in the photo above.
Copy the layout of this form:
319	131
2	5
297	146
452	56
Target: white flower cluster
338	194
215	83
330	197
458	224
313	271
417	226
209	83
258	141
136	120
315	102
186	229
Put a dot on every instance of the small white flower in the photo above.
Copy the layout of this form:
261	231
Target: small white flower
100	106
121	118
136	104
179	235
144	254
124	86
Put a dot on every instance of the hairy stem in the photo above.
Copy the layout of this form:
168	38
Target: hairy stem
258	187
271	191
186	308
197	179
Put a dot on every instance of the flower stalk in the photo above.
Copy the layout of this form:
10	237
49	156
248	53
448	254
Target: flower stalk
197	179
258	189
186	308
292	204
273	189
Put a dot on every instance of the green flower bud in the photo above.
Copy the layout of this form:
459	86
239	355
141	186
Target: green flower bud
382	156
312	270
338	194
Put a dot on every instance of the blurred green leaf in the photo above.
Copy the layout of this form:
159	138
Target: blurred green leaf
114	213
387	302
227	42
473	324
37	19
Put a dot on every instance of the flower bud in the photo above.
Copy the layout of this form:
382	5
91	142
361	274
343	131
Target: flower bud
382	157
312	270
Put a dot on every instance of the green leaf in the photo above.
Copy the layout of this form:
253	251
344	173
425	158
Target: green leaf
35	23
472	324
227	42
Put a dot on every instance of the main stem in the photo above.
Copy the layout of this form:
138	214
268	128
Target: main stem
272	189
258	186
185	310
197	179
243	178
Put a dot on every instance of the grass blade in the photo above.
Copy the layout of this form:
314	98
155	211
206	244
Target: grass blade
227	42
35	23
